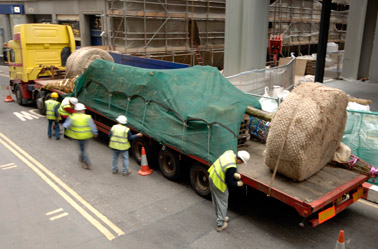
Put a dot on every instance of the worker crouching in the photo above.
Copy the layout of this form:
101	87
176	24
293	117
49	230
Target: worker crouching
81	127
120	137
222	174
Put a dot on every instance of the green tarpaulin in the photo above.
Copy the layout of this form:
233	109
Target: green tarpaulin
361	135
195	110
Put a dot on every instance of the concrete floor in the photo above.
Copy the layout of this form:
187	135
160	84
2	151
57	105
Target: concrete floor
358	89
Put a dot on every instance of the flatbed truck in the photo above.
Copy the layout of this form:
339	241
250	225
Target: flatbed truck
316	199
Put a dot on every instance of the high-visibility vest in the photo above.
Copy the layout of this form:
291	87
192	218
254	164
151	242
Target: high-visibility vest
119	139
65	104
50	107
80	128
217	171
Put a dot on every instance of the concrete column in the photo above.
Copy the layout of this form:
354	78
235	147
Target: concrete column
246	34
368	39
373	72
8	34
354	38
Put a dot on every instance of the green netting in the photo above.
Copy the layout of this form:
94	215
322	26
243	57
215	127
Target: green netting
361	135
195	110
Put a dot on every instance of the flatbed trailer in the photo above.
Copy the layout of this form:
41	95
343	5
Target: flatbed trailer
316	199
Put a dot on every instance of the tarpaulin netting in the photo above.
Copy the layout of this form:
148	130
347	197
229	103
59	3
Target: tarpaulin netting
361	135
195	110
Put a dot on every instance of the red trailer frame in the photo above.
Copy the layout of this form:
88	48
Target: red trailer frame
319	210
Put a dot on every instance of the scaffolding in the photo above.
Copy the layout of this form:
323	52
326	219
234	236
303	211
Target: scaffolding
190	32
193	31
298	22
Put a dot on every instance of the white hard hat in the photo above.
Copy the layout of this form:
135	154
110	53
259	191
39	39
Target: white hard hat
74	101
244	156
122	119
79	107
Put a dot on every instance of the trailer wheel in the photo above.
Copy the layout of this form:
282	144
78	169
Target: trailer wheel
199	178
136	148
169	164
40	101
19	98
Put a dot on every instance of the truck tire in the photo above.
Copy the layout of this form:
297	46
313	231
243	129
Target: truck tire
20	99
136	148
199	178
169	164
40	101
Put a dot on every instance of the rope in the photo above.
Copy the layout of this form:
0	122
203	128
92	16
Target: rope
352	161
183	135
145	110
127	107
110	100
281	149
283	144
208	143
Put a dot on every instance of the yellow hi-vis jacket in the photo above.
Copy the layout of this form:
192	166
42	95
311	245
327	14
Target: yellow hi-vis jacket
217	171
80	128
50	107
119	139
65	103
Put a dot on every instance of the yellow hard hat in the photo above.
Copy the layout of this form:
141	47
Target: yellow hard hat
54	95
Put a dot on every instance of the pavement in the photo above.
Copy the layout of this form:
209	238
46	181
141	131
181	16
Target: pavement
363	90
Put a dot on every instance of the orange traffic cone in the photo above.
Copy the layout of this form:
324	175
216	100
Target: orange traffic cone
9	97
340	244
144	169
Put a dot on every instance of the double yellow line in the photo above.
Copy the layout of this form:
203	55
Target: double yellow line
63	190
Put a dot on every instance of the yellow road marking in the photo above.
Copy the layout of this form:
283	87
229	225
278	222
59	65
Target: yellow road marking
84	213
54	212
368	203
10	167
58	216
6	165
68	189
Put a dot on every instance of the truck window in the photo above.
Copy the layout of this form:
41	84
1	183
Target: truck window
66	51
11	56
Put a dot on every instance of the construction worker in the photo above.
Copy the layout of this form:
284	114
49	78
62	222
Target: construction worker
67	107
222	174
81	127
52	115
120	137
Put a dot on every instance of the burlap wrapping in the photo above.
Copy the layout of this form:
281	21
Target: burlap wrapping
319	117
80	59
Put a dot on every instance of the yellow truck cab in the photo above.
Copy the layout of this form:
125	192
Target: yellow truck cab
37	51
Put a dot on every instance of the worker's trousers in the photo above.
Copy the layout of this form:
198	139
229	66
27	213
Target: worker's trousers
125	159
83	154
57	128
220	203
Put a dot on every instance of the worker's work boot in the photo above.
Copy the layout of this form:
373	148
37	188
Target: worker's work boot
226	219
115	171
223	227
87	166
126	173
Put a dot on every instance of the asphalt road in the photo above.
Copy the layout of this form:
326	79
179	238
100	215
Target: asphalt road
47	200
